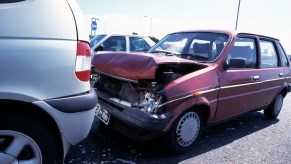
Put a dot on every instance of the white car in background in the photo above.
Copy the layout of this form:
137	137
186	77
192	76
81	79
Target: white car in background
46	103
119	42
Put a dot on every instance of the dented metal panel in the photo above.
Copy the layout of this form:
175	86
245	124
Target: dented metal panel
134	66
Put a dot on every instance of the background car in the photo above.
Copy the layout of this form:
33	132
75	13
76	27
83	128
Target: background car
46	103
190	80
118	42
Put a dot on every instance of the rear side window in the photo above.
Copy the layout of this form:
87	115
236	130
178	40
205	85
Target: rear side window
269	57
10	1
138	44
283	55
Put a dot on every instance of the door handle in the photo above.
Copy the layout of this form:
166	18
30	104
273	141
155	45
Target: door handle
256	78
281	74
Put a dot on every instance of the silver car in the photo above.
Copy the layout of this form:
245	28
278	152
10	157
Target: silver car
46	103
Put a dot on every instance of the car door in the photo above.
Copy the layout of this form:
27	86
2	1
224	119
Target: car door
239	80
271	69
285	63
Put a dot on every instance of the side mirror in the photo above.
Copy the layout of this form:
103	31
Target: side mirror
236	63
99	48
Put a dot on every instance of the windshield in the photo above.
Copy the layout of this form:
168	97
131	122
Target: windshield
197	46
96	39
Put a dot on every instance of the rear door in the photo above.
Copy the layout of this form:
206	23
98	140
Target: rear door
285	63
240	79
272	70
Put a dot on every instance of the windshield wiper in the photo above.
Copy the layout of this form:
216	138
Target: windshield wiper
194	57
163	51
168	53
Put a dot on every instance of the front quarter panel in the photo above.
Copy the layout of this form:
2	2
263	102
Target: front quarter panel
204	87
208	99
201	80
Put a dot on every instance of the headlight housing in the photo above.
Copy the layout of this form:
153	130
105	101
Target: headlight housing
150	102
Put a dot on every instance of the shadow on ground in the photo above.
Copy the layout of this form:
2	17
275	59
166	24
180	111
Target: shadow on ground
106	146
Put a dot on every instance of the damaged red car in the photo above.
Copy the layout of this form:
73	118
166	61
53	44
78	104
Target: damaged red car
188	81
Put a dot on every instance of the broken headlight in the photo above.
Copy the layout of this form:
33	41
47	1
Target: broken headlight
150	102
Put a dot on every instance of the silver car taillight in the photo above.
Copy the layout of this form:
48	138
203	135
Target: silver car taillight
83	61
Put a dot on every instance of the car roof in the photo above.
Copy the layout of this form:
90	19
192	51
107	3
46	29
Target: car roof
261	36
229	32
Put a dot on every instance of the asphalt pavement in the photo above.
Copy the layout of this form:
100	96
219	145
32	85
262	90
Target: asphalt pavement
247	139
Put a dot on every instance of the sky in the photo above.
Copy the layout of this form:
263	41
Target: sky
161	17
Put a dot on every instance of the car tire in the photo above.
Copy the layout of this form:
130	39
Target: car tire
184	132
274	109
24	139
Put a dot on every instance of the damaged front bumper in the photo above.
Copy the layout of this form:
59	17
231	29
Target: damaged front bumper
135	124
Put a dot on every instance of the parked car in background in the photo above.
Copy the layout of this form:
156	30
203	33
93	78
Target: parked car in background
46	103
118	42
190	80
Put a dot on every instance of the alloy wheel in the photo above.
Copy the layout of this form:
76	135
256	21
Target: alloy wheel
17	147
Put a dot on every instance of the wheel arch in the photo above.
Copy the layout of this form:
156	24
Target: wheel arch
30	110
202	109
175	143
285	91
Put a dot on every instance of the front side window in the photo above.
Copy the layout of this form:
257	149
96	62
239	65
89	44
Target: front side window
114	43
197	46
243	54
269	57
138	44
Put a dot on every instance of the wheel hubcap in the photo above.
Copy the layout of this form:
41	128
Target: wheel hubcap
188	129
17	147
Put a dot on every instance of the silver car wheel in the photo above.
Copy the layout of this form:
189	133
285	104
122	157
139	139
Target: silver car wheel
278	104
188	129
18	148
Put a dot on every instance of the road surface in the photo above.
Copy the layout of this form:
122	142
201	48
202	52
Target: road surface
248	139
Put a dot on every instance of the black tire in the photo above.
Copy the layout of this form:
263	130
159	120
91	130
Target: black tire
179	139
274	109
39	141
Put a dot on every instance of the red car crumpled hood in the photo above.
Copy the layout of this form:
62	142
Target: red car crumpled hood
133	66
